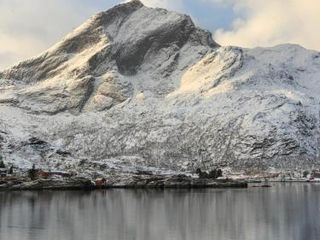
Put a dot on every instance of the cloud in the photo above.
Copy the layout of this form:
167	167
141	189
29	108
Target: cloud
29	27
272	22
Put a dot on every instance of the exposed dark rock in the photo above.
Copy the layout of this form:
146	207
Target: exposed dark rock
36	141
135	181
175	181
63	153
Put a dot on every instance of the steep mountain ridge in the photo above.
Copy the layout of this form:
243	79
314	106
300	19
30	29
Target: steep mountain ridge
137	87
89	67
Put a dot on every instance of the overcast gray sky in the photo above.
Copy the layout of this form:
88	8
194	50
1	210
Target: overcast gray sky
28	27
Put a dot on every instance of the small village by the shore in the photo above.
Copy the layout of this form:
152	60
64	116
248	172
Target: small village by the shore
13	178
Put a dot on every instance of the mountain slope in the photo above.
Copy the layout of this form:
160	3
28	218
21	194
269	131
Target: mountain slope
138	87
92	67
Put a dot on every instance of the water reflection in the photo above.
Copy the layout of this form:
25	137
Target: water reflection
283	212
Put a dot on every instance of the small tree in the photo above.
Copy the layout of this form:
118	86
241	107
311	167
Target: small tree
2	165
305	174
32	173
10	170
215	173
201	174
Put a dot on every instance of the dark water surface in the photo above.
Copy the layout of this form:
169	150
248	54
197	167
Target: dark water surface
284	212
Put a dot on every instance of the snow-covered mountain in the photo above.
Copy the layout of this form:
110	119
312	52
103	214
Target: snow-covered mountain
143	87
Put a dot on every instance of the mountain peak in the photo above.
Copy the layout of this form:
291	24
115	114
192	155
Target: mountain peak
135	3
126	7
124	41
128	34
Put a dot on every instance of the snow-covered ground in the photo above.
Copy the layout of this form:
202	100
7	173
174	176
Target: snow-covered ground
136	87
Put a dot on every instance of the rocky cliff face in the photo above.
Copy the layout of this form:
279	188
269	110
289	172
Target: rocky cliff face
138	87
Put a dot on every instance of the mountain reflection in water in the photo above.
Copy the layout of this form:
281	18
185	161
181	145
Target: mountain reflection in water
284	212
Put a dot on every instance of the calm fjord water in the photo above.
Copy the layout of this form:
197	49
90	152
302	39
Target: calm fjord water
283	212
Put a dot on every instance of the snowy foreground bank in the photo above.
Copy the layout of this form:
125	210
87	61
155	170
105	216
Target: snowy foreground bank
135	182
37	179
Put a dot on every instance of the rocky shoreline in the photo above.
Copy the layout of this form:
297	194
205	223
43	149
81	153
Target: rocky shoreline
132	182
